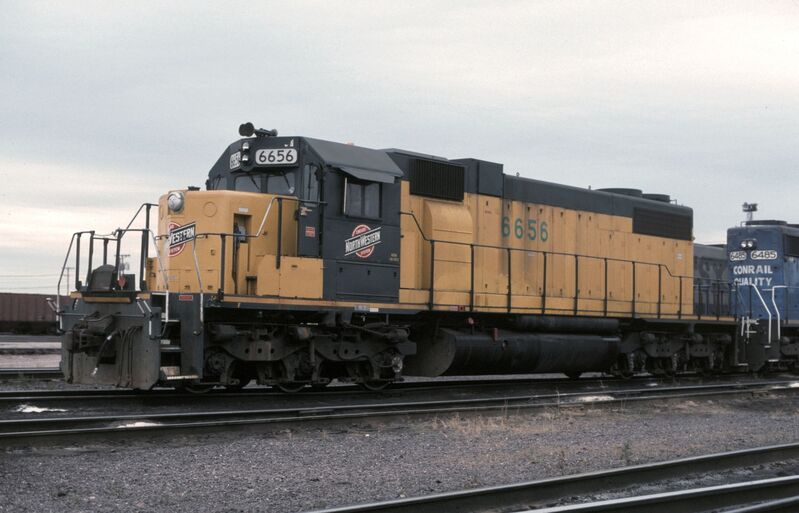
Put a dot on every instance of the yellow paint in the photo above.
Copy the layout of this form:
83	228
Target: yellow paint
508	271
563	273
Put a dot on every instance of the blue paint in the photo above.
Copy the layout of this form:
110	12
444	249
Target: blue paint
760	259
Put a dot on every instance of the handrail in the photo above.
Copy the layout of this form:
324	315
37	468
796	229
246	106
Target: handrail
160	262
148	205
61	277
765	306
723	293
486	246
116	236
256	234
546	253
776	309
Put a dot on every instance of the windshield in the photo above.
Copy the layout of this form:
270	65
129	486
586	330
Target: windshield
281	182
276	182
247	183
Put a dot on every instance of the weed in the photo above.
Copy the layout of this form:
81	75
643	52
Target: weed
627	453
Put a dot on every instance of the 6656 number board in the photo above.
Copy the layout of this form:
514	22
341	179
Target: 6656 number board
276	157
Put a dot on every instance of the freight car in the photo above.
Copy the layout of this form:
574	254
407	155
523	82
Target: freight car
306	260
26	313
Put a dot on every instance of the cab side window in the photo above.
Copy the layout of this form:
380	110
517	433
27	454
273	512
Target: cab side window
310	184
362	199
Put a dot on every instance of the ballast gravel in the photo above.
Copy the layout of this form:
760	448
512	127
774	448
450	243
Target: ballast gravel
313	467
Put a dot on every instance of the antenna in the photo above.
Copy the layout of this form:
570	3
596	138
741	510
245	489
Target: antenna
749	209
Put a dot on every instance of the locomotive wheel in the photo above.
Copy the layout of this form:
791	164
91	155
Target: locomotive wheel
368	376
196	388
621	369
235	388
375	385
661	367
702	367
289	387
244	377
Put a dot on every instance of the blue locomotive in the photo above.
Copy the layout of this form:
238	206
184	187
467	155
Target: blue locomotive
763	265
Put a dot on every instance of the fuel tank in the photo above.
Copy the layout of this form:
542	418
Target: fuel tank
455	352
555	324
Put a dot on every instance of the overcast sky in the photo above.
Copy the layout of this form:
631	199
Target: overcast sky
106	105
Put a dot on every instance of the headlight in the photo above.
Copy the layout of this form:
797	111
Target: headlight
743	244
175	202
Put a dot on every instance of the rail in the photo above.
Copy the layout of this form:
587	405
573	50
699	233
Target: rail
29	431
634	265
520	496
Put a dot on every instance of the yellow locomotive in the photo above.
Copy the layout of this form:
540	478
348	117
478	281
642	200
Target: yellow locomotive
306	260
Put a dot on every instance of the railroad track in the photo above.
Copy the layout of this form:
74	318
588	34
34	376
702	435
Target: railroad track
31	373
776	493
437	384
88	394
31	430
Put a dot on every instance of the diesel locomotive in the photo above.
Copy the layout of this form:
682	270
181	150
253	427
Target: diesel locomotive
763	265
304	261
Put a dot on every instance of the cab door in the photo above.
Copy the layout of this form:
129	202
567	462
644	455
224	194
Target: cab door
309	214
362	238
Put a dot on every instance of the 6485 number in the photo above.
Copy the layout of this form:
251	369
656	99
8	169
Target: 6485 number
532	229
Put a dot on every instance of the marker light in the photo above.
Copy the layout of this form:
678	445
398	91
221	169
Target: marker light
175	202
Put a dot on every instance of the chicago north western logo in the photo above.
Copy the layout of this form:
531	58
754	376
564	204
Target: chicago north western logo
179	236
363	241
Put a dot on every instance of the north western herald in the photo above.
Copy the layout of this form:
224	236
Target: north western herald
182	235
362	241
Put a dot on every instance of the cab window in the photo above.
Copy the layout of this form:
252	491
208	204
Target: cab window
247	183
280	183
310	185
362	198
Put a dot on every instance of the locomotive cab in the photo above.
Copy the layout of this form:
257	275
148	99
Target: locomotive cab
276	195
273	273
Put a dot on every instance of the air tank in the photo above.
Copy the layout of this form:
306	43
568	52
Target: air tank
455	352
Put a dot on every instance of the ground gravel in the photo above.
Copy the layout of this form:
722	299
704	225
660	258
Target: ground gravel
310	467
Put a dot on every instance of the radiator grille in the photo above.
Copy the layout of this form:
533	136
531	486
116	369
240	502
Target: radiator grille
662	224
792	245
436	179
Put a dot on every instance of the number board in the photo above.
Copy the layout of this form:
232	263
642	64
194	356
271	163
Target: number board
276	157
